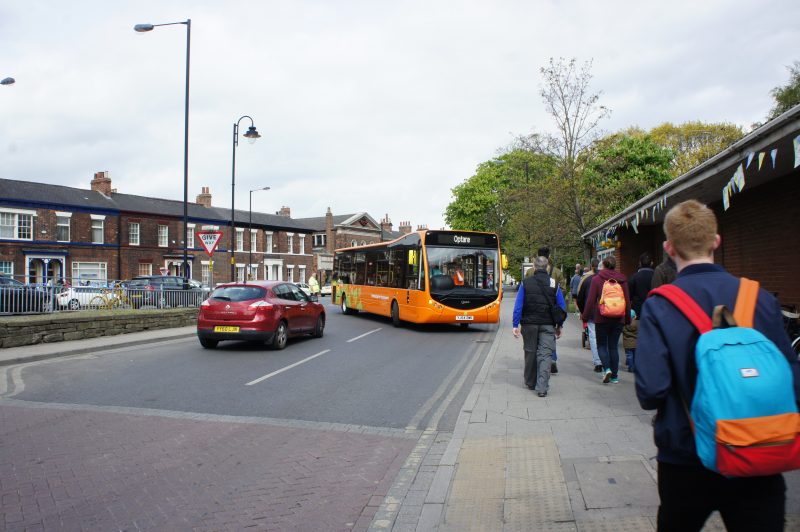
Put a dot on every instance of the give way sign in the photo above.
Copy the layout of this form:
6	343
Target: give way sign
209	240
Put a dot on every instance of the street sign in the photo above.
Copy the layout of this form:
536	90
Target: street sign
209	240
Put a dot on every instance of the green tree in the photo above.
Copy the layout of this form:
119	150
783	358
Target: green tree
694	142
476	201
788	95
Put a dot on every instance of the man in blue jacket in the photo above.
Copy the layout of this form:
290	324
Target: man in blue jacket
532	309
666	371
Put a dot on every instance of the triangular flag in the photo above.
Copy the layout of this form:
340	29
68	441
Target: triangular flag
761	156
726	202
749	159
797	151
774	154
738	178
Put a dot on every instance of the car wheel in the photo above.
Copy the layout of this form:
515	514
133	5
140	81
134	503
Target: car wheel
208	343
320	328
395	314
74	304
281	336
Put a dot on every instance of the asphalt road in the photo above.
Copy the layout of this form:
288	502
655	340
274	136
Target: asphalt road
363	371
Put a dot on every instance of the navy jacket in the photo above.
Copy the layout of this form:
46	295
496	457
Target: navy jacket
519	303
665	353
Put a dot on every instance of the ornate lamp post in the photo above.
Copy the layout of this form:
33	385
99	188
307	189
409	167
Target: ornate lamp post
252	134
141	28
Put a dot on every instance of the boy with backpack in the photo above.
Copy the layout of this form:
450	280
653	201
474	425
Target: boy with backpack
675	374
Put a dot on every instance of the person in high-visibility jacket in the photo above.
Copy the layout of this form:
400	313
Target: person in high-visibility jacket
313	284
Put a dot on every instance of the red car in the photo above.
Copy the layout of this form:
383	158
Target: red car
264	311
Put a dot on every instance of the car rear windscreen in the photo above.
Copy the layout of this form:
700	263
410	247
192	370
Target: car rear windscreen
239	293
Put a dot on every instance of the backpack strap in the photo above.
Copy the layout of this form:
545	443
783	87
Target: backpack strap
688	307
745	307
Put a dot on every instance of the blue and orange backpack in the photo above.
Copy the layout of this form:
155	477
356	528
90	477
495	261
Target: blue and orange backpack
744	411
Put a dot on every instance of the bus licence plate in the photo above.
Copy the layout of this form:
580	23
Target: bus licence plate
226	328
464	318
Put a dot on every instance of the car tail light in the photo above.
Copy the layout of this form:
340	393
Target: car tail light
205	303
260	305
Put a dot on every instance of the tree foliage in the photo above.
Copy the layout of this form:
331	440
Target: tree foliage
788	95
694	142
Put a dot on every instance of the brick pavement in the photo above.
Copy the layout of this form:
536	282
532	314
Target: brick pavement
65	468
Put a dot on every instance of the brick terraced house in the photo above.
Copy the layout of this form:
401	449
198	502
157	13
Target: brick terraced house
57	232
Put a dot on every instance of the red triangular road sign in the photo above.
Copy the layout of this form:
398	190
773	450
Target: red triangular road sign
209	240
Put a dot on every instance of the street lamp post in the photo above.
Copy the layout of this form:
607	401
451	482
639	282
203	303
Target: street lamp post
141	28
250	252
252	134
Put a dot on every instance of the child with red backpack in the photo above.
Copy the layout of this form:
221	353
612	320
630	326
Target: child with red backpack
608	305
705	378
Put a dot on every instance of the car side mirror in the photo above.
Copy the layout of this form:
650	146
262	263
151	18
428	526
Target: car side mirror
313	297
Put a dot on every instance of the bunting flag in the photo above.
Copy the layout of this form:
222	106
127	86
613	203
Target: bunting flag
738	178
774	154
726	200
761	156
797	151
749	159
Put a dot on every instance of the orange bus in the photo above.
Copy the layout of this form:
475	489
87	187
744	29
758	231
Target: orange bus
423	277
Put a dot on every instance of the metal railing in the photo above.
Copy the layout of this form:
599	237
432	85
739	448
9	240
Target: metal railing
18	295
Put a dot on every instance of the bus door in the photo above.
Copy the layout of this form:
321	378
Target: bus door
416	298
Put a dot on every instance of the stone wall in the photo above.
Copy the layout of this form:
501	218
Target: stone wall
27	330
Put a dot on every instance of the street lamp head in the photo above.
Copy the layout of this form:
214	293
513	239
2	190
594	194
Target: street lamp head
252	134
8	81
141	28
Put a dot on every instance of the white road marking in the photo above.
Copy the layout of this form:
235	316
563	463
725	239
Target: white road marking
363	335
287	368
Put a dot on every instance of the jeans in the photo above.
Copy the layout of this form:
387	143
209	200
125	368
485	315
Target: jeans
593	343
689	493
608	345
630	355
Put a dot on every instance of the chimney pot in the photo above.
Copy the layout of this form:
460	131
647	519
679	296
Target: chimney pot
101	183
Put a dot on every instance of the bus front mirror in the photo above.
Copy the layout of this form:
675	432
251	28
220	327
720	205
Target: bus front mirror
504	261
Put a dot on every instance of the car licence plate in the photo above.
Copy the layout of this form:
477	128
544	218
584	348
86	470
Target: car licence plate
226	328
465	318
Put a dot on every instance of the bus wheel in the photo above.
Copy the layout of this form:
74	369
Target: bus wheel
345	308
395	314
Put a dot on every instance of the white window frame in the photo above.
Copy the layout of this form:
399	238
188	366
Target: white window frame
268	240
302	273
239	239
190	236
131	233
59	224
9	270
100	267
290	241
240	271
254	240
146	271
163	236
353	243
319	240
302	244
290	273
99	225
13	218
205	272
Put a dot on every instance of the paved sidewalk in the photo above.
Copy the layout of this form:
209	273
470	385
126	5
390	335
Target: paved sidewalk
31	353
581	459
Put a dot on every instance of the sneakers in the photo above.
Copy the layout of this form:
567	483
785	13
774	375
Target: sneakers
614	380
598	369
542	394
553	368
606	376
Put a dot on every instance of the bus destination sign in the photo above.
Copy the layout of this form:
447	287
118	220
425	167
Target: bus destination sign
471	240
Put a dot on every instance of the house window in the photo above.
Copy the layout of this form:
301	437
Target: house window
253	272
89	272
253	241
363	242
240	272
98	227
163	236
6	267
268	245
290	241
62	228
290	273
205	273
319	241
240	240
302	244
133	234
190	236
353	243
302	274
145	268
17	226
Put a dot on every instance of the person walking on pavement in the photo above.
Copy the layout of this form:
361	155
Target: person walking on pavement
666	371
641	282
664	273
583	292
558	276
575	282
607	328
532	312
313	284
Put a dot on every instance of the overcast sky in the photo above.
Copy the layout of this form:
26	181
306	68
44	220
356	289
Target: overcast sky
370	106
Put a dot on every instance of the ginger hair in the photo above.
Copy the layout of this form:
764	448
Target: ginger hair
691	227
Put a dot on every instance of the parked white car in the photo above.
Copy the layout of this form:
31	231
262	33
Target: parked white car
304	287
78	297
325	290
